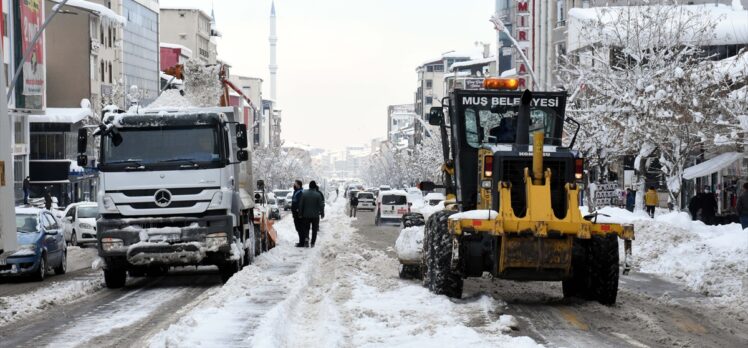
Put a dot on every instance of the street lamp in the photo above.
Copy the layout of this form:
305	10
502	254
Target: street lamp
498	24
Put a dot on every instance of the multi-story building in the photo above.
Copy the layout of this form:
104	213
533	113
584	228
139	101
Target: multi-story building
141	47
85	43
191	28
401	124
252	88
431	87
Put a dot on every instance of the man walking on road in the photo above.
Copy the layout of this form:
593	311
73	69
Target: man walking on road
651	200
742	207
298	221
354	205
312	207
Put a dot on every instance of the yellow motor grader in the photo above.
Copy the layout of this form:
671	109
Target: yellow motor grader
515	211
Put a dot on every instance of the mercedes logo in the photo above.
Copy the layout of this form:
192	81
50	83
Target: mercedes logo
163	198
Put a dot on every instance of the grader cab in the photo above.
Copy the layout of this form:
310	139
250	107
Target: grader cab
516	213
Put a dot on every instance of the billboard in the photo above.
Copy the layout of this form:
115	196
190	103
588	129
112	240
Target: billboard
31	84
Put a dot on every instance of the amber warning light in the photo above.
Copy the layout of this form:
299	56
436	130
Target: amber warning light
492	83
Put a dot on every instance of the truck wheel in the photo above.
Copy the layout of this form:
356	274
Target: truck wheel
410	272
228	270
413	219
115	278
604	268
426	268
442	278
579	283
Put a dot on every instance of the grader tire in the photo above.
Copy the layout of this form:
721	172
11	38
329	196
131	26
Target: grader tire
579	285
413	219
604	268
443	280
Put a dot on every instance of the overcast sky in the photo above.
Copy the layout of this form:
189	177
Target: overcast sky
341	62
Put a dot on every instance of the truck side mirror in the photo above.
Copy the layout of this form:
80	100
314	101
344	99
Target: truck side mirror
436	116
426	186
242	155
241	136
82	160
82	140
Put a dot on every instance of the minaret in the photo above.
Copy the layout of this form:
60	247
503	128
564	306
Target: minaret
273	42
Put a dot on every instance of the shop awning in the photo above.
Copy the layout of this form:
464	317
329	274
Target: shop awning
712	165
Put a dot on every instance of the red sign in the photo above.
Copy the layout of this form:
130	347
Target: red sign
33	69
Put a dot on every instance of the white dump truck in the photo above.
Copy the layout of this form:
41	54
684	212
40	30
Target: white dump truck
173	191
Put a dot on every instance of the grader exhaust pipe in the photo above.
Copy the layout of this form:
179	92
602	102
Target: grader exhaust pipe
523	137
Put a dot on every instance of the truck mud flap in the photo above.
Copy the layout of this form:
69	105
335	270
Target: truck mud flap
533	258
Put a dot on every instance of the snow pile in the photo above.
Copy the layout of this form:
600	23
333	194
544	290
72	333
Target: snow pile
476	215
427	210
101	10
202	84
171	98
17	307
409	244
711	260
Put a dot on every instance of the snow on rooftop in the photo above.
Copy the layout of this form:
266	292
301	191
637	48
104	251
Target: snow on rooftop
185	51
62	115
472	62
101	10
731	22
712	165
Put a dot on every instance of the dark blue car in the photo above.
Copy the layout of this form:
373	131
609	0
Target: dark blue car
41	246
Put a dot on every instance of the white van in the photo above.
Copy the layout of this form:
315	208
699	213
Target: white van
391	206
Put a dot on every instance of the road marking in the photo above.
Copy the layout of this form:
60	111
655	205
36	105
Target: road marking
572	318
629	340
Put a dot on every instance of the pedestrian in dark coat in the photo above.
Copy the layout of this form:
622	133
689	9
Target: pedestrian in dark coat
630	199
708	206
741	207
298	221
48	200
695	205
354	205
312	207
26	188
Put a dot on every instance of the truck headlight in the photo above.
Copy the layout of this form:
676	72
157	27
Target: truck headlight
217	200
109	203
215	240
108	244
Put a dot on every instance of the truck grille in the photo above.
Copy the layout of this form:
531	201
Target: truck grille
152	205
513	171
174	191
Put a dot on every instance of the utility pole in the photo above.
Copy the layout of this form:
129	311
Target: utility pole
7	195
500	27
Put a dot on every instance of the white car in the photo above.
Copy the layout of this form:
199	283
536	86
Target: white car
365	201
79	223
434	198
391	206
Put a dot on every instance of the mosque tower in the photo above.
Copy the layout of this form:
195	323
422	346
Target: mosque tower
273	42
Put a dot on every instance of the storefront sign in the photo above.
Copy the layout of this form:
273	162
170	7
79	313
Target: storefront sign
607	194
473	83
523	35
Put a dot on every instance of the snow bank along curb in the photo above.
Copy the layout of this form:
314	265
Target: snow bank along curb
13	308
711	260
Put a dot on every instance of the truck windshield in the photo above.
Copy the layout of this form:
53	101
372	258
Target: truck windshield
159	147
499	125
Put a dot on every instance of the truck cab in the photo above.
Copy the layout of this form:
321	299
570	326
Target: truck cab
171	193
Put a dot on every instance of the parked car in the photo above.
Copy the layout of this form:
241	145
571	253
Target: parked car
434	198
391	206
366	201
384	188
273	209
289	201
79	223
41	245
281	195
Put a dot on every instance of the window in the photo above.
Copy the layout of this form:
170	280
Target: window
430	68
109	37
429	100
19	133
110	72
102	71
560	13
181	14
71	212
429	84
439	68
560	54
